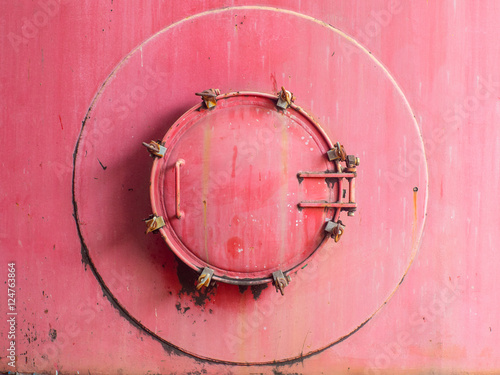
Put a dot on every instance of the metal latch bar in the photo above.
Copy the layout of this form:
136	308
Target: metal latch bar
347	206
326	175
316	204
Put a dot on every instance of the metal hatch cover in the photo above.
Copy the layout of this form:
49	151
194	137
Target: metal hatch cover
356	101
229	187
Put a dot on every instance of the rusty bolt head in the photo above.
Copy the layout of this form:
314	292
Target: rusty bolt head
352	161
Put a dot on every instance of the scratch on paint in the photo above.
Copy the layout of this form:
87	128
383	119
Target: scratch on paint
304	343
60	121
102	166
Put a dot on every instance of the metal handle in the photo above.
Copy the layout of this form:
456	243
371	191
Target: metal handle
178	212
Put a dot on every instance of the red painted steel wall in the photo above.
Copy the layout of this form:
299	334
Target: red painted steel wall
442	56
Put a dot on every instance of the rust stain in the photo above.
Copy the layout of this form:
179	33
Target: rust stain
205	229
415	190
235	155
283	191
415	218
273	81
207	142
438	350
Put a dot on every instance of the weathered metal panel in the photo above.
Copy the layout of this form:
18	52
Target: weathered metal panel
410	88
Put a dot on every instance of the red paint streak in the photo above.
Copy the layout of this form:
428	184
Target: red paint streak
235	155
60	121
275	84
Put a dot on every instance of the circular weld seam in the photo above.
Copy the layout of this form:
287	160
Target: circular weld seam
418	237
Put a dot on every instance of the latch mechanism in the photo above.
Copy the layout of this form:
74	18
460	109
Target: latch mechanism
155	148
280	281
154	223
285	99
205	277
338	155
209	97
336	229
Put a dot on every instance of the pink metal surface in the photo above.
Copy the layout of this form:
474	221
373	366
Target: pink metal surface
410	87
